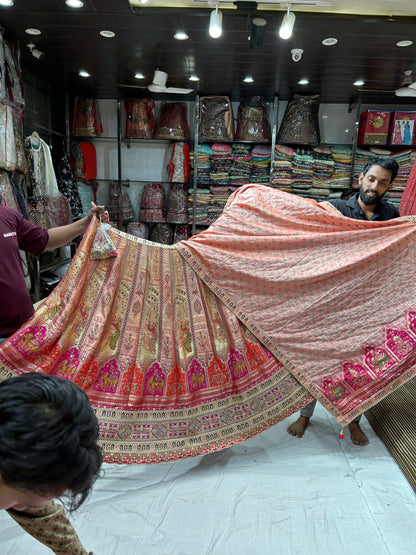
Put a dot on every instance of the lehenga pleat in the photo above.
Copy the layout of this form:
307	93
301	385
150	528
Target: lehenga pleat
170	371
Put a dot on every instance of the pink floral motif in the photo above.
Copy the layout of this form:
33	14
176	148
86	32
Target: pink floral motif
29	339
217	372
176	382
400	343
377	359
154	381
237	364
108	378
355	375
196	377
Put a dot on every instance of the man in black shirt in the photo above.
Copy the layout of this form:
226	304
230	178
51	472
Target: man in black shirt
368	204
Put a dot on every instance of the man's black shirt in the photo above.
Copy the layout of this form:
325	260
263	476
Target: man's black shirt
349	207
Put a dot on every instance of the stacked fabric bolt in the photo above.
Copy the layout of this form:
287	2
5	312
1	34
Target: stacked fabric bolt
260	164
221	161
201	201
302	172
240	168
218	200
323	168
204	153
342	156
282	176
405	159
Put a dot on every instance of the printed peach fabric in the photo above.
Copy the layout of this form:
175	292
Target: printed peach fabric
187	349
331	297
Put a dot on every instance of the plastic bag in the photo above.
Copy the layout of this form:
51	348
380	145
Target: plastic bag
252	121
216	119
300	124
102	246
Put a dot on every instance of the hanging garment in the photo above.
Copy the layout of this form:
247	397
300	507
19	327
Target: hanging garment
86	118
49	210
7	139
140	121
41	171
190	348
84	161
14	82
178	170
68	186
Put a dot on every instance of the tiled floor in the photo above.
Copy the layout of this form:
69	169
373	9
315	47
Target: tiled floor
271	495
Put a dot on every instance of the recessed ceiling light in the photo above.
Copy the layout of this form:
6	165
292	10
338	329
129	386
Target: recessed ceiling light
6	2
194	78
330	41
358	83
74	3
107	34
83	73
303	82
139	76
404	43
248	80
33	31
181	35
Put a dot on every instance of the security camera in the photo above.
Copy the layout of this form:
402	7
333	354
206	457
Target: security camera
38	54
296	54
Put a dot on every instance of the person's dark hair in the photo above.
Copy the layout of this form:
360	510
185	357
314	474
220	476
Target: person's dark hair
384	162
48	437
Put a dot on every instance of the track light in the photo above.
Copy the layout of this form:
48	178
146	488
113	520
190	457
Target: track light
286	28
215	23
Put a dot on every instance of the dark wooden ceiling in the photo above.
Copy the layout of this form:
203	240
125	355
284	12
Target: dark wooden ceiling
144	42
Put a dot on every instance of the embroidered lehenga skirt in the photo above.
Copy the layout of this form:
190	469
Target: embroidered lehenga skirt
190	348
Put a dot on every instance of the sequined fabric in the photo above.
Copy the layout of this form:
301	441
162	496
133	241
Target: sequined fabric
49	525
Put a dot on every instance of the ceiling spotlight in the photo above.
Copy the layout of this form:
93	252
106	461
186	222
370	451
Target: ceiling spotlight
215	23
74	3
84	73
248	79
330	41
194	78
288	22
139	76
38	54
303	82
257	32
180	35
107	34
404	43
358	83
6	2
33	32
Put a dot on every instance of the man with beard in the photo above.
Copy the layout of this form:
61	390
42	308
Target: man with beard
375	180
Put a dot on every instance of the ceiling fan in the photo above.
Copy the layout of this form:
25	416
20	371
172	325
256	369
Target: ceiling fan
407	87
158	85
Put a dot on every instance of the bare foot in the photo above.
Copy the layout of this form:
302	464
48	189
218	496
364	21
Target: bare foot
297	429
358	437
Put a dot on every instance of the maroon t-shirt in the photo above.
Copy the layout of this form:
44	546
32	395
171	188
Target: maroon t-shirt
16	233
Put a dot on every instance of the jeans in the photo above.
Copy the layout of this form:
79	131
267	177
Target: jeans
307	411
